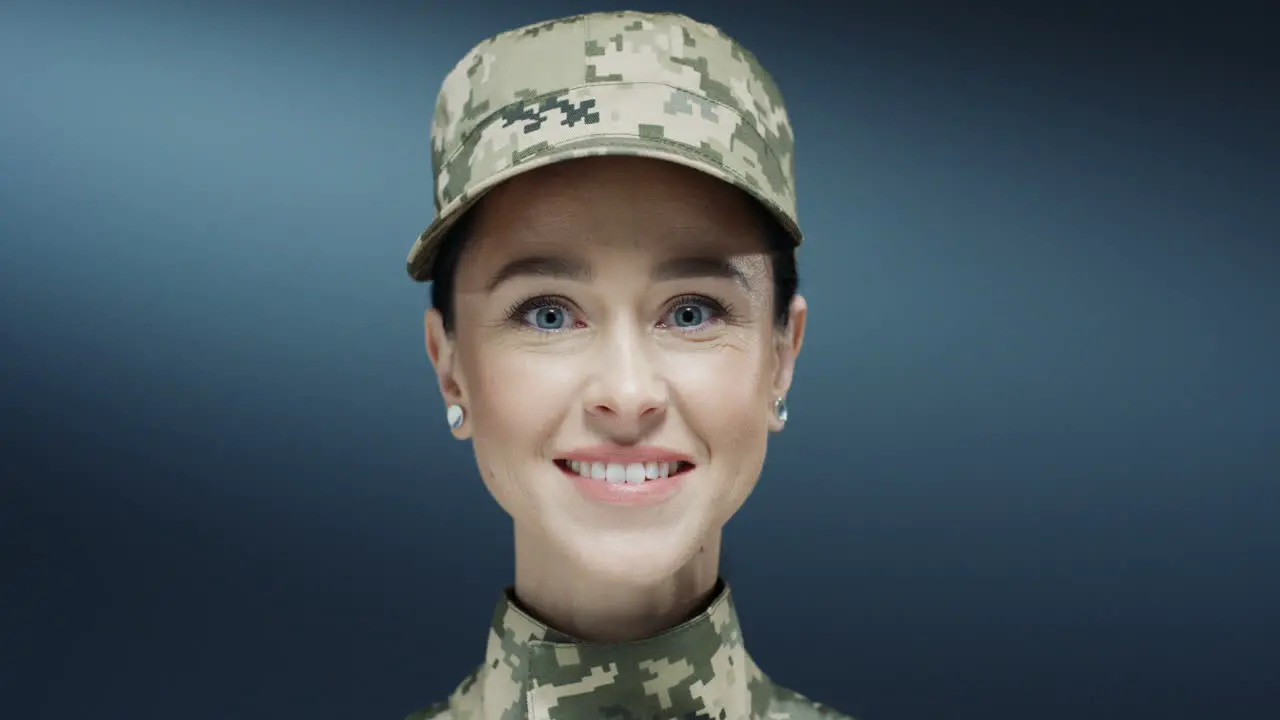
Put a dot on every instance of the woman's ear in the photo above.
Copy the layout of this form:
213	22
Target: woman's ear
787	349
441	351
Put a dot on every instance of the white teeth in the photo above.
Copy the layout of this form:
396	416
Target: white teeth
615	473
618	473
635	473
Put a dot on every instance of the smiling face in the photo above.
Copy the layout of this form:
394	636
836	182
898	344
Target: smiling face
615	349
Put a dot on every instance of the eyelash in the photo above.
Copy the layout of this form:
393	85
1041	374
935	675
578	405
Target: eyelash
721	310
517	311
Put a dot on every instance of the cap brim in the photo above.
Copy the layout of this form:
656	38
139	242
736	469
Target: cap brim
422	255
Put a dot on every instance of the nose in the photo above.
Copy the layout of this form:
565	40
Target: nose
627	394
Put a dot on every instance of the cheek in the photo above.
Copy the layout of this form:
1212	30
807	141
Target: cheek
723	395
723	400
517	401
518	398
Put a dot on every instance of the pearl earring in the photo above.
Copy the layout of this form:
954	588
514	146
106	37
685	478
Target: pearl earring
454	414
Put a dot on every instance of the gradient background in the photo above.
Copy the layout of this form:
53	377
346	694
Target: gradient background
1033	463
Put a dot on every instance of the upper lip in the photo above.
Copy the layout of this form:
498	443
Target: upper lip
625	455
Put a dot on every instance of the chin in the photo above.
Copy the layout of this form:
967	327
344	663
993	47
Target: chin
639	558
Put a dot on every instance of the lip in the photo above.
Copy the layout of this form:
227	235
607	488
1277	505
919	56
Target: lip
649	492
630	454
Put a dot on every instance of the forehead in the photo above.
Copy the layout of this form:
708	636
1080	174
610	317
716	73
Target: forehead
593	206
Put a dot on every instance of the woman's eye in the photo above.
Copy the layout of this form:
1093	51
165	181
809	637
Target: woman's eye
548	317
690	315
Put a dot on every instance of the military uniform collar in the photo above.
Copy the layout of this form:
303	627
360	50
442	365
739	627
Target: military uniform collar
696	670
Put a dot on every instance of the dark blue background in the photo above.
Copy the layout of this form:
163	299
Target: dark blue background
1032	464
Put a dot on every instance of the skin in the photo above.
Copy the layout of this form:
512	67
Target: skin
622	356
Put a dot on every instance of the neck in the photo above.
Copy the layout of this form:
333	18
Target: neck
596	609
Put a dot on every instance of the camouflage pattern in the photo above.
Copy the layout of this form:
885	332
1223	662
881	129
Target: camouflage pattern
697	671
656	85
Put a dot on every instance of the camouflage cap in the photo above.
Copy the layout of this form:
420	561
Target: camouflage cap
656	85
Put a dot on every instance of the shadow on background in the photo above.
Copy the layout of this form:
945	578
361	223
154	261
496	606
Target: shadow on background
1031	468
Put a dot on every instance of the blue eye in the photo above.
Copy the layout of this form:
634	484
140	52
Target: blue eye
547	317
690	315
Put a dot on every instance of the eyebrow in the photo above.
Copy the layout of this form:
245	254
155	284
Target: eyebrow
705	266
681	268
558	268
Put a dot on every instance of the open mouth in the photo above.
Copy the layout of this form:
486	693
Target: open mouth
629	473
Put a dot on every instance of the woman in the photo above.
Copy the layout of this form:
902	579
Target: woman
614	327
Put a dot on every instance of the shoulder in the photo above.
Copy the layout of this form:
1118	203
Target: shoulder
437	711
463	704
790	705
772	701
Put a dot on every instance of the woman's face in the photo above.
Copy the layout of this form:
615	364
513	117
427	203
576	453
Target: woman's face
617	358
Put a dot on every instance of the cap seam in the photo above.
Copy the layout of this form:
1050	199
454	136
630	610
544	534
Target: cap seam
463	197
483	123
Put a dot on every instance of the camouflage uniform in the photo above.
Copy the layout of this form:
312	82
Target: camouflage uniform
697	671
661	86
